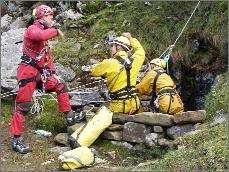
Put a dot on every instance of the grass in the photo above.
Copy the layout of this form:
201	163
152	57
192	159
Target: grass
217	98
200	153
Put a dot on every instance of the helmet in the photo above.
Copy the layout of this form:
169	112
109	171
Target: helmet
42	10
123	41
158	62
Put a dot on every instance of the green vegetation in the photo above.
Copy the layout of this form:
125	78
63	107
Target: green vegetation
217	98
156	27
206	150
51	120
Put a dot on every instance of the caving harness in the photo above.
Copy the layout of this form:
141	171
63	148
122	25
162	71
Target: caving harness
154	99
128	91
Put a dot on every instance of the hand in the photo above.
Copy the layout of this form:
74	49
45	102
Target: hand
127	34
57	77
61	34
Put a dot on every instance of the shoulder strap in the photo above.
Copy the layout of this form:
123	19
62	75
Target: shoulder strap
158	73
128	65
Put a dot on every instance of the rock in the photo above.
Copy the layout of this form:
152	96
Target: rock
59	149
119	118
135	132
219	118
122	144
70	14
112	135
111	154
10	56
87	68
93	61
164	143
179	130
190	117
150	118
78	46
115	127
66	73
96	46
151	139
5	21
62	138
157	129
74	127
48	162
18	23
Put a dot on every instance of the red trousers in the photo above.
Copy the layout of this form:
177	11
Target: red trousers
25	93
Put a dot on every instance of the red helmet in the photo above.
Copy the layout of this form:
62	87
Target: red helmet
42	10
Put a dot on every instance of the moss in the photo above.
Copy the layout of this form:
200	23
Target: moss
217	98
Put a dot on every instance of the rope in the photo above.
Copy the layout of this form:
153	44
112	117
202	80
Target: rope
170	48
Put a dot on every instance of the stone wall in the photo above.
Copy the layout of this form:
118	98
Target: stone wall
149	128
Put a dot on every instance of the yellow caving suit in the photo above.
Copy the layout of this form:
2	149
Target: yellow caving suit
168	99
109	68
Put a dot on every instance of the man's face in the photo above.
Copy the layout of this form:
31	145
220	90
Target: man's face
113	50
48	20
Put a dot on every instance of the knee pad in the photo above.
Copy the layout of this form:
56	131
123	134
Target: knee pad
63	90
23	108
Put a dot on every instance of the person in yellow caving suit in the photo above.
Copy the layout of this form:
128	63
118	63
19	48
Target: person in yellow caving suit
161	87
121	73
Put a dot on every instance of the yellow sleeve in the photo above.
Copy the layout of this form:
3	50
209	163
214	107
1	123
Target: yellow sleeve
139	52
145	86
101	68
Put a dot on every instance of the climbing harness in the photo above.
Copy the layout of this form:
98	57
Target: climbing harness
170	47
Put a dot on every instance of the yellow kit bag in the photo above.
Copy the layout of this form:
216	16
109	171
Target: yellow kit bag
88	133
76	158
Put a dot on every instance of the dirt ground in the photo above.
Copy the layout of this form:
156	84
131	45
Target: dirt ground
40	159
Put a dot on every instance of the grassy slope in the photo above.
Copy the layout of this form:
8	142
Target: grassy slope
155	26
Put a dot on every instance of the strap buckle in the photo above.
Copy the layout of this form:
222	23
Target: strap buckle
29	60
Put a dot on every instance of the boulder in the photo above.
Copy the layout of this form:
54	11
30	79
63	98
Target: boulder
62	138
115	127
66	73
112	135
5	21
119	118
135	132
190	117
74	127
10	56
18	23
70	14
164	143
219	118
151	139
122	144
150	118
179	130
157	129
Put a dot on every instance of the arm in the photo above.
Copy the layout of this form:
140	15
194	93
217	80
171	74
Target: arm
145	86
100	69
38	34
139	52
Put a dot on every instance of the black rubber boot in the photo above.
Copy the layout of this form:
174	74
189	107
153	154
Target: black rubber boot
74	117
73	143
18	146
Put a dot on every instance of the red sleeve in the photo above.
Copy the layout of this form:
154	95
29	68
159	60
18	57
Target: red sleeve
38	34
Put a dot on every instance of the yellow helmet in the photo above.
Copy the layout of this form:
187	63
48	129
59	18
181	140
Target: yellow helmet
123	41
158	62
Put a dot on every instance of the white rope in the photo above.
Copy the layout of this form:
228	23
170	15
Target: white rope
170	47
